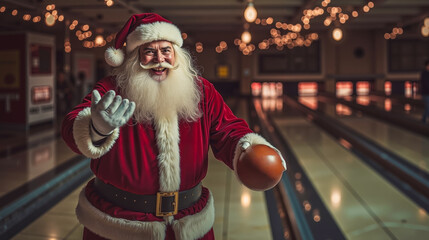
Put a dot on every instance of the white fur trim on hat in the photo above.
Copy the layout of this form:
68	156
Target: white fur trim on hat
114	57
253	139
155	31
82	136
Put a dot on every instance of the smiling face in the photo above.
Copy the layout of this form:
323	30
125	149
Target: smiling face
158	57
174	91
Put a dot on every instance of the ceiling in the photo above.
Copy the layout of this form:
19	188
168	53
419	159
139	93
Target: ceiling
216	15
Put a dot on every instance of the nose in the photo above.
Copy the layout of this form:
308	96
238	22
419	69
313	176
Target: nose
159	57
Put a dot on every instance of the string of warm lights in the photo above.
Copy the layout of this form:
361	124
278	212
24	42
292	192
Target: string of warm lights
245	48
424	30
223	46
199	47
85	33
310	14
67	45
325	3
51	16
395	31
292	38
335	14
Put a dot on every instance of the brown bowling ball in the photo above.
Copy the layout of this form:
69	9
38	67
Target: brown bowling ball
259	167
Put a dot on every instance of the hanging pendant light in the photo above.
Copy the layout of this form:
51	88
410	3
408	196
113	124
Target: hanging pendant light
49	20
246	37
337	34
426	22
99	40
424	31
250	13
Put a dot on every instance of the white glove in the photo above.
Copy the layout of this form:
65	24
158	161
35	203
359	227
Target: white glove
109	112
245	145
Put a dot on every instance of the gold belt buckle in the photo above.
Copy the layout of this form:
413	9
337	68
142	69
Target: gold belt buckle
159	197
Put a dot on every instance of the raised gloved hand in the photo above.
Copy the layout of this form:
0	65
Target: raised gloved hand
109	112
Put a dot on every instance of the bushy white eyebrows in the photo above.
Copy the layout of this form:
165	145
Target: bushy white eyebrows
152	49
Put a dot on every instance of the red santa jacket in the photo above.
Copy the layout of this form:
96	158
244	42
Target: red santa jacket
144	158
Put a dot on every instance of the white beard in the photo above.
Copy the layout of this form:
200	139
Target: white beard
178	95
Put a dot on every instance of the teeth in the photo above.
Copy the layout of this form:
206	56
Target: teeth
158	69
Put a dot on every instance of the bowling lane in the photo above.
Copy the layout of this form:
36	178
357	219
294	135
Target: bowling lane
409	104
38	154
390	104
410	146
363	203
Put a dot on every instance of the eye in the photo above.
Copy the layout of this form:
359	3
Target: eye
149	52
166	50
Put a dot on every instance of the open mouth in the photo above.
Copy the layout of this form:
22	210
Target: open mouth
158	71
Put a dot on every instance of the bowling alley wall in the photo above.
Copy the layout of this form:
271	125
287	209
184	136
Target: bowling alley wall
27	70
363	58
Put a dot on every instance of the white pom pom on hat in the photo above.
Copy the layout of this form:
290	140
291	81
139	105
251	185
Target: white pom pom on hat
140	29
114	57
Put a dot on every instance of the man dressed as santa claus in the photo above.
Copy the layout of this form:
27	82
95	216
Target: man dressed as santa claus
147	129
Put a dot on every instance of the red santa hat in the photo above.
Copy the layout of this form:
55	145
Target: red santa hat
140	29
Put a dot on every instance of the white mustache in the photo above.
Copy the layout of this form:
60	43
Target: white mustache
159	65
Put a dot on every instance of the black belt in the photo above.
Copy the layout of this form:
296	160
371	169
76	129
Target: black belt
161	204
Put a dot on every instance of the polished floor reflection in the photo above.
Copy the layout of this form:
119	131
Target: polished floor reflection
363	202
240	213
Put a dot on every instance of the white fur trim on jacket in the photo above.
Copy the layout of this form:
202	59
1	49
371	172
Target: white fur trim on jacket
253	139
197	225
155	31
167	139
113	228
82	136
187	228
